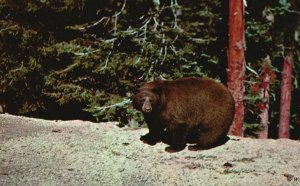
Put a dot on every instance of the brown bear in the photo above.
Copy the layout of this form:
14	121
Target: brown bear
193	110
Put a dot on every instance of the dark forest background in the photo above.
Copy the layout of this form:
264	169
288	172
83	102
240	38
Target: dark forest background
66	59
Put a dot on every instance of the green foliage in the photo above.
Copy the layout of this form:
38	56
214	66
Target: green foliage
98	53
271	30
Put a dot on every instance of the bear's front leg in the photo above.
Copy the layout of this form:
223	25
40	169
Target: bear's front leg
178	135
156	131
151	138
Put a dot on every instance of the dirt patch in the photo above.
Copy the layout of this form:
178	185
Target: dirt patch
41	152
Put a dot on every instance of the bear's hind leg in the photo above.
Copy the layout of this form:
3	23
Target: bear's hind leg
209	138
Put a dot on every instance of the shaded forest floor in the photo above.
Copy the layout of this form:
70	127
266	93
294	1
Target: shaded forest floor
41	152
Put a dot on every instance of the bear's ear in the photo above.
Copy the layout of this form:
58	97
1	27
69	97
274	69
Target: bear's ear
136	90
134	101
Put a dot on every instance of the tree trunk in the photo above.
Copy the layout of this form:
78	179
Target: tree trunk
264	97
285	96
264	115
236	62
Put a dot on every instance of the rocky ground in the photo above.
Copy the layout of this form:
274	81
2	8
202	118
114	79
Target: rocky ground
41	152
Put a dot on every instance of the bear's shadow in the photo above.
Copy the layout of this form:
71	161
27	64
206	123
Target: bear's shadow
191	141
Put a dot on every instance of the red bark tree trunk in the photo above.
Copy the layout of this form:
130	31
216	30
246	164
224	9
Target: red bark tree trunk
264	96
236	63
285	96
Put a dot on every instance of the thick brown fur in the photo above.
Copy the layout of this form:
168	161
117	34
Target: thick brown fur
187	110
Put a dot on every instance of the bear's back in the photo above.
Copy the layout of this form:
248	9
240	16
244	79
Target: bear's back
196	99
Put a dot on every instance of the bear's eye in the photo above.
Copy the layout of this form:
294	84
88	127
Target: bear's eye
142	100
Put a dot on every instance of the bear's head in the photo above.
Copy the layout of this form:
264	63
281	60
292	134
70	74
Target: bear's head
145	101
